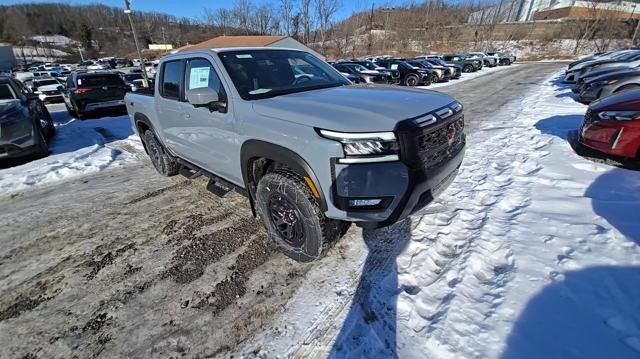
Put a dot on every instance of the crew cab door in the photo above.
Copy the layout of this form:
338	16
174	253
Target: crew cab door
204	136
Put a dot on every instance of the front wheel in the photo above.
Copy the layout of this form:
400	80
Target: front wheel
468	68
293	218
411	80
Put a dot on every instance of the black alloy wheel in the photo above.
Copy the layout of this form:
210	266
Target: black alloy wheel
287	220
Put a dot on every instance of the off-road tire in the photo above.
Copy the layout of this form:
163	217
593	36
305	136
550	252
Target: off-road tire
468	68
319	232
411	80
435	78
164	163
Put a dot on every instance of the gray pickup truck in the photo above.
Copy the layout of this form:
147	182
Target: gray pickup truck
310	150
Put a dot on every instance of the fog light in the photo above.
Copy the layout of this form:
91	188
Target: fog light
364	202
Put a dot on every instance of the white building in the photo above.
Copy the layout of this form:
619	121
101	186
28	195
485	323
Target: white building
525	10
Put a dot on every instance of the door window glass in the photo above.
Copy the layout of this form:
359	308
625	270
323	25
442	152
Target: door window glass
171	79
202	74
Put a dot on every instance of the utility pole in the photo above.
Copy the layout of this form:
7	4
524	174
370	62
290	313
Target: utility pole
386	22
80	51
127	10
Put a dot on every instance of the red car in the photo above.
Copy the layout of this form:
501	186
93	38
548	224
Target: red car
612	125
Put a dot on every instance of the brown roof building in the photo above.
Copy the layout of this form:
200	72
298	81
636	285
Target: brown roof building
251	41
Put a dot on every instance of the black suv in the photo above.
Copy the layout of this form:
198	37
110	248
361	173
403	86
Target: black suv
89	92
409	75
25	122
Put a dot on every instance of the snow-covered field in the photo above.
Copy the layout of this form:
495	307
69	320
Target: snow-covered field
79	148
531	253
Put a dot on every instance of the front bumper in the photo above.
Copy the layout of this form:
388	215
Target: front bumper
51	98
616	138
403	187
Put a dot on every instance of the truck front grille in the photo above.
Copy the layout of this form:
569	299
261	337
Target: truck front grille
436	144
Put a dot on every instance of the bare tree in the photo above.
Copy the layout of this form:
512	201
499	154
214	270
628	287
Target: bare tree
286	10
305	19
262	19
325	10
242	12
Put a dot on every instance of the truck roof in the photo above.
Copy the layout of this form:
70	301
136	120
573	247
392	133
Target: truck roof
226	49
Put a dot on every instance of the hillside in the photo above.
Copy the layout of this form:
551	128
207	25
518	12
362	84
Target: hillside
98	29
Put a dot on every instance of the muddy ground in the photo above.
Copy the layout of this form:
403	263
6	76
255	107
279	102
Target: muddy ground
126	263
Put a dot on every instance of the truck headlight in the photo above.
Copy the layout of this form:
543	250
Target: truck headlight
365	147
619	115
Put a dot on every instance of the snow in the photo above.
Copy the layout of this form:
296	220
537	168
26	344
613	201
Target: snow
468	76
78	148
532	252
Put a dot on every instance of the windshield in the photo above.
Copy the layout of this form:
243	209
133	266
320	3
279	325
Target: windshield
266	73
7	93
45	83
358	68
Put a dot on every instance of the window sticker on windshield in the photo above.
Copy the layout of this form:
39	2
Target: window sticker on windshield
79	82
199	77
394	66
244	56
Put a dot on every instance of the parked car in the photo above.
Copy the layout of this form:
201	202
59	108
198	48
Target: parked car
48	89
366	76
456	70
612	125
609	84
409	75
134	80
488	61
440	73
88	92
503	59
632	60
392	75
593	74
466	64
311	153
25	123
618	56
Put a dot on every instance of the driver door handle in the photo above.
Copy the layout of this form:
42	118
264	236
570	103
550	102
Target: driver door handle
187	116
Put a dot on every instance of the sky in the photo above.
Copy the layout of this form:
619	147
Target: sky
194	8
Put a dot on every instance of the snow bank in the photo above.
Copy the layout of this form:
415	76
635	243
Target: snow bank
79	148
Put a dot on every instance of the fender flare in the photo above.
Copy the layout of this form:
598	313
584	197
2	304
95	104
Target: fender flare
252	149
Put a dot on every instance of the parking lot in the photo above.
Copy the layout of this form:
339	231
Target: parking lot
128	263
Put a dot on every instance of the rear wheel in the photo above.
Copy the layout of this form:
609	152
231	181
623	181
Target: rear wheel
436	78
47	123
411	80
467	68
164	163
293	218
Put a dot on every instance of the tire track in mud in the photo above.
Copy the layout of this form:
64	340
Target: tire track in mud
166	244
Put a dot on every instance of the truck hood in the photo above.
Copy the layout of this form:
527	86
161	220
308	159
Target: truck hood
353	108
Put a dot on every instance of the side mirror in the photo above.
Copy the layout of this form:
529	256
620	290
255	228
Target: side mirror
205	97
